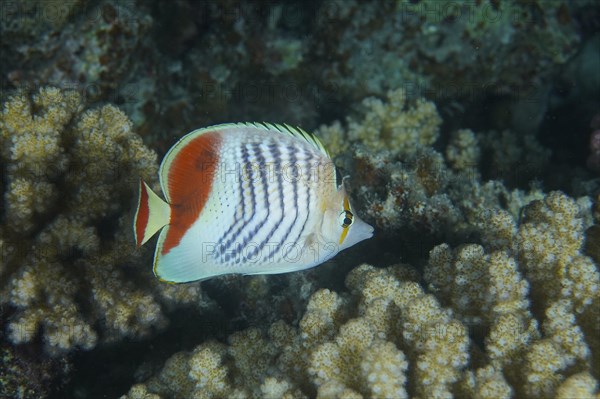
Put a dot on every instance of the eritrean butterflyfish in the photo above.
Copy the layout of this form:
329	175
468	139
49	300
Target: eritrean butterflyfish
246	198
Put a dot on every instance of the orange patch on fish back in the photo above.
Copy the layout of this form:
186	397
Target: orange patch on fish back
189	184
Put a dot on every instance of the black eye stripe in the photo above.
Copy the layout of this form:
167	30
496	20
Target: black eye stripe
338	177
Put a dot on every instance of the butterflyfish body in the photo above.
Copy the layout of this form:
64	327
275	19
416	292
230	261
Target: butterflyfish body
247	198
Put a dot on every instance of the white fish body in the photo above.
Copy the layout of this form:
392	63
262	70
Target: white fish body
247	199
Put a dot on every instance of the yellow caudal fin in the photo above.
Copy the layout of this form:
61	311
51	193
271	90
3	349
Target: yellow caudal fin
152	214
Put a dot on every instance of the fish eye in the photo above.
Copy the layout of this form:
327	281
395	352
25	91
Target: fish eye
346	218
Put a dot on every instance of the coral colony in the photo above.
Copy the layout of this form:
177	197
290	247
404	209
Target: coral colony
461	135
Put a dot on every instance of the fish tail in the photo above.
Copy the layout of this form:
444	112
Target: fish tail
152	214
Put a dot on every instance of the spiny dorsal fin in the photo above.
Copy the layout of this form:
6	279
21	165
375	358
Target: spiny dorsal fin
295	132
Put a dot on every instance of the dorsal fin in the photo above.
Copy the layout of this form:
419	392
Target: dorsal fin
292	131
295	132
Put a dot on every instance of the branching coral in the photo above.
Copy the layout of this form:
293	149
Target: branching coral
393	124
463	153
488	292
65	232
549	246
581	385
336	351
486	383
507	303
527	292
400	180
490	343
479	286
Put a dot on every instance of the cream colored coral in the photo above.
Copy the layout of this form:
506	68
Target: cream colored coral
60	317
272	388
32	138
173	295
140	391
469	294
498	228
507	290
32	147
333	137
383	368
66	234
581	386
106	148
357	278
462	152
550	357
357	361
352	360
70	176
486	383
439	272
549	247
326	364
335	390
252	355
207	370
436	342
567	337
390	326
479	286
510	335
340	360
173	380
441	347
293	358
543	363
393	124
324	312
377	289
